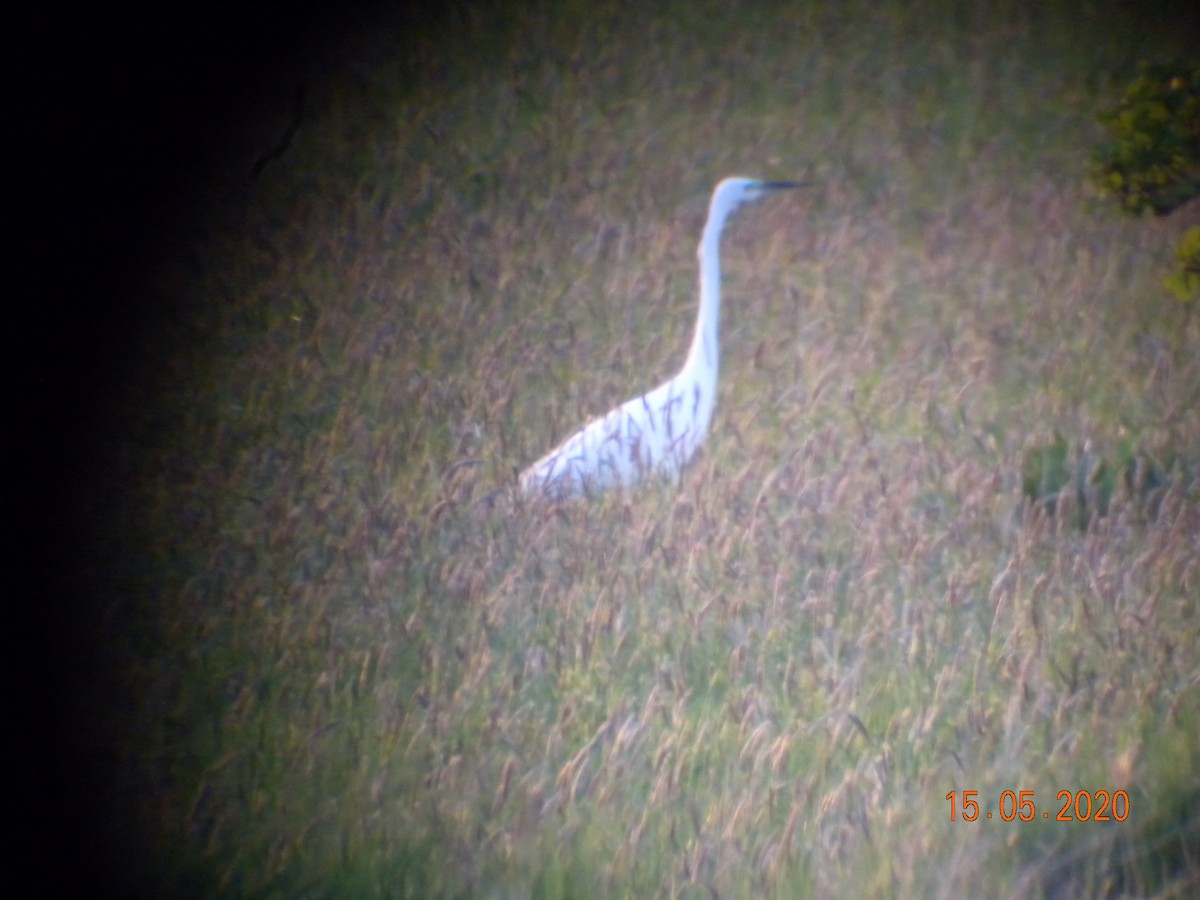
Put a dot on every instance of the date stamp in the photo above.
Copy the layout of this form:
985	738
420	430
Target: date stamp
1073	806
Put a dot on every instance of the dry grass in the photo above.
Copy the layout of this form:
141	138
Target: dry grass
363	667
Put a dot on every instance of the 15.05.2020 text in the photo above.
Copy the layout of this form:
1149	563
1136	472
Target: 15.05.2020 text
1076	806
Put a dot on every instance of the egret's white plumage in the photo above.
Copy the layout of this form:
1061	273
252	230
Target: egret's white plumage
657	433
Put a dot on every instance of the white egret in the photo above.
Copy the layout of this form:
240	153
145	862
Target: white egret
657	433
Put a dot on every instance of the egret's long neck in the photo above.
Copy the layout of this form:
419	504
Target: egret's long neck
702	357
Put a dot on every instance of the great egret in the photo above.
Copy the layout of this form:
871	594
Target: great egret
657	433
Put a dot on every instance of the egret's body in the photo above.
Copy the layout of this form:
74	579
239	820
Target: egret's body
658	433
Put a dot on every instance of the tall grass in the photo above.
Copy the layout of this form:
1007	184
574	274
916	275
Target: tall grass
355	664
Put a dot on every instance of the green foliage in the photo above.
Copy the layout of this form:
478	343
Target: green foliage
1045	472
1153	160
1184	282
1087	482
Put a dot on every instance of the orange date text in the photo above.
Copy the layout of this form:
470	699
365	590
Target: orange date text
1022	806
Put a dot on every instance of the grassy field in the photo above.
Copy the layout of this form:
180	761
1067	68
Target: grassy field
344	660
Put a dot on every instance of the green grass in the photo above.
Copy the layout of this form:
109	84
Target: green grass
356	665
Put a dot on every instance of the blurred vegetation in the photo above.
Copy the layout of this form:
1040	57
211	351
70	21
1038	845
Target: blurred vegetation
350	663
1058	478
1184	282
1153	159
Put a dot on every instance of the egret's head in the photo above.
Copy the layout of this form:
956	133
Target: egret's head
733	192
